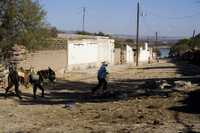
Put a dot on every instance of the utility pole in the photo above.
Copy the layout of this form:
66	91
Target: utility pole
83	23
194	32
137	37
193	36
156	38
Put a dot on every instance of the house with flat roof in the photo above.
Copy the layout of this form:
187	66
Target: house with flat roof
77	52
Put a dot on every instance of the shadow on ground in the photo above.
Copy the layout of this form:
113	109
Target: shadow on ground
189	104
67	91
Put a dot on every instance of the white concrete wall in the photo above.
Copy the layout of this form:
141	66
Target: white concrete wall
144	54
106	51
129	54
82	52
87	53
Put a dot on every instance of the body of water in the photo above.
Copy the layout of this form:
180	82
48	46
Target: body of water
164	52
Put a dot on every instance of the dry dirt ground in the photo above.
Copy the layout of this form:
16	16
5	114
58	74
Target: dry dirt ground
135	103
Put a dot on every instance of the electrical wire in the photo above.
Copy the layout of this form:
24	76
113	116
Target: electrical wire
145	15
197	14
175	18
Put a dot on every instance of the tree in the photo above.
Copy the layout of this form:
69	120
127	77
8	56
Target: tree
22	22
54	32
195	43
92	34
180	47
185	45
129	40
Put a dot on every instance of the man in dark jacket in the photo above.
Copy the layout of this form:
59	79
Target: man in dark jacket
101	76
13	80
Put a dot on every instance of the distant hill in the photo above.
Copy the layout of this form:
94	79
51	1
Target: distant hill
151	39
163	39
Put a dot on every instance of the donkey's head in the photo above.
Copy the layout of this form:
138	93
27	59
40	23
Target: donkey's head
51	74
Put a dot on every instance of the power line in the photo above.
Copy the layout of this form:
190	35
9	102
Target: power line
171	17
175	18
147	25
146	14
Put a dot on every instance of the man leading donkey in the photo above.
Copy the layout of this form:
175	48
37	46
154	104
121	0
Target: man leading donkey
13	80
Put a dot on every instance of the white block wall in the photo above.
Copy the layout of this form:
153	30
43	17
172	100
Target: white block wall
86	53
129	54
83	52
106	51
144	54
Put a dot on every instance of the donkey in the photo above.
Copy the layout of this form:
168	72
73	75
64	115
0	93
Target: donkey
48	74
41	76
37	78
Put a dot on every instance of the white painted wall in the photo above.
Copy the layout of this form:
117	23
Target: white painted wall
85	53
129	54
106	51
81	52
144	54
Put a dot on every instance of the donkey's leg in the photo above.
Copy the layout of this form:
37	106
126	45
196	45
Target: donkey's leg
34	90
42	89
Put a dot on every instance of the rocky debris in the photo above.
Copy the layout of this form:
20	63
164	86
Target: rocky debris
156	122
151	85
152	107
183	85
69	105
3	76
1	71
17	54
163	84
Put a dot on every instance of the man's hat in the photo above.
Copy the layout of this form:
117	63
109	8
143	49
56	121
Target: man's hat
105	63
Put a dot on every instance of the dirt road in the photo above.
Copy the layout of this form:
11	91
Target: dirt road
136	104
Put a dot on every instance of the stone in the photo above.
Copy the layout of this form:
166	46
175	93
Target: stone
156	122
188	85
181	85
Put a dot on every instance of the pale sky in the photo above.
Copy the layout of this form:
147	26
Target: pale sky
167	17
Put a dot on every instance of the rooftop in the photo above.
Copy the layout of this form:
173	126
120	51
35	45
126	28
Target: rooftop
79	37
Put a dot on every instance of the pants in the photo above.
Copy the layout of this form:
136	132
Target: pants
10	85
35	86
102	83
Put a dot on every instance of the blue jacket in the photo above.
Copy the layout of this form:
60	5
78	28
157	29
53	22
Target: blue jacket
102	73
